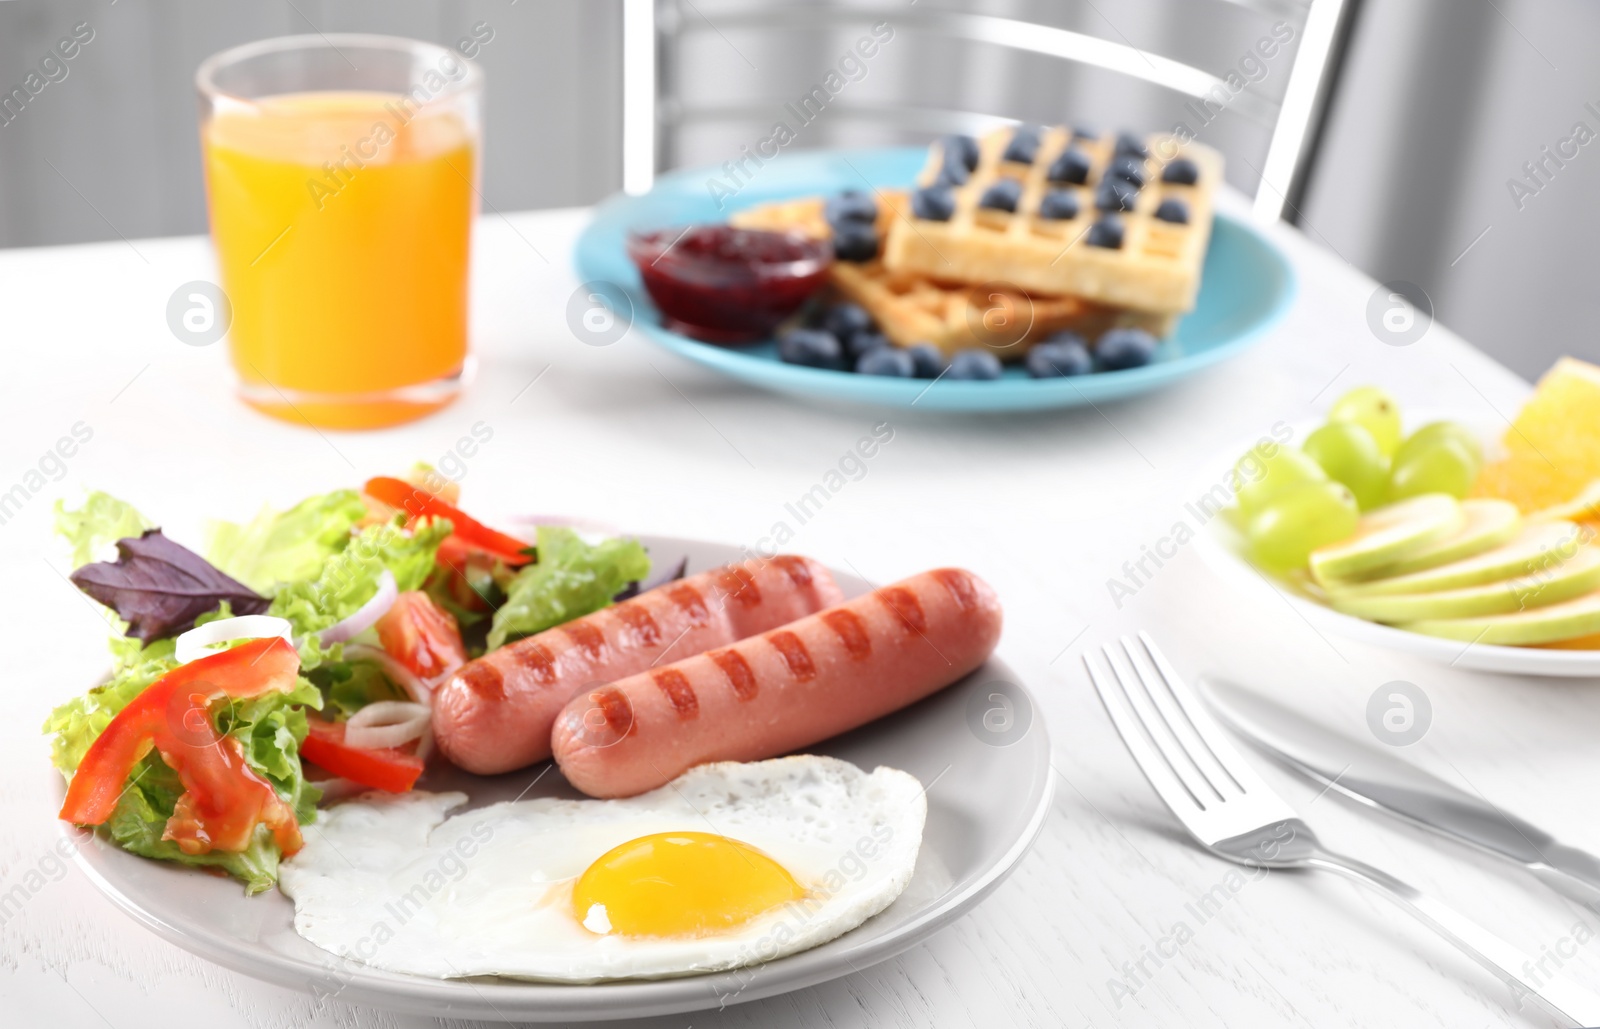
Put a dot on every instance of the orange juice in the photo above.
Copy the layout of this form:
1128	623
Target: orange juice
342	223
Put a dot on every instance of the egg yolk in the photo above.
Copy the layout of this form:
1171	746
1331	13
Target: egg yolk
680	884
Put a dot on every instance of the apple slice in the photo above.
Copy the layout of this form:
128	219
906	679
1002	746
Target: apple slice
1489	524
1573	577
1583	507
1565	621
1537	546
1391	533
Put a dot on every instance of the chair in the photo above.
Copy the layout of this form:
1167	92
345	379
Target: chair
704	78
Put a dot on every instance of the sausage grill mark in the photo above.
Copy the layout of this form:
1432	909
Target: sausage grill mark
739	585
690	602
583	634
635	617
796	568
794	654
484	680
905	607
614	707
537	659
852	632
678	692
737	669
959	584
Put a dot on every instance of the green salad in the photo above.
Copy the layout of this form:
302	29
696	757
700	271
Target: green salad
298	648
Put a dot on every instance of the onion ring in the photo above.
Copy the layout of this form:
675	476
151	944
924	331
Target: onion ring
206	639
366	614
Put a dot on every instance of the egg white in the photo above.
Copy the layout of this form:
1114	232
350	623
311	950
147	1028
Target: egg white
392	881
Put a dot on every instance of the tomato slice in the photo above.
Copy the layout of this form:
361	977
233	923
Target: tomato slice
223	799
387	768
422	636
419	503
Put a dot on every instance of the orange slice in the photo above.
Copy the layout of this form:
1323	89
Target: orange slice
1553	447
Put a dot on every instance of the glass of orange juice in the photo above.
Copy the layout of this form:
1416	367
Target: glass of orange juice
342	183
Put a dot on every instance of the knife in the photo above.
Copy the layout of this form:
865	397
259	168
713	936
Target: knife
1384	781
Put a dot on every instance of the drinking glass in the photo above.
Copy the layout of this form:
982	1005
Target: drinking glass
342	183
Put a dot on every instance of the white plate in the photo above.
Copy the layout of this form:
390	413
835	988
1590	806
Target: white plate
990	789
1222	549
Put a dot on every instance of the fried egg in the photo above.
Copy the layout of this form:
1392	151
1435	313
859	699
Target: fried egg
730	864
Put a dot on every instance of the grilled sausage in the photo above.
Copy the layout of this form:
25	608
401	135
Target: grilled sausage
785	689
495	714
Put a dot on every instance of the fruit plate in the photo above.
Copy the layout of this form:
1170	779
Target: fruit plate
1222	548
1247	286
989	790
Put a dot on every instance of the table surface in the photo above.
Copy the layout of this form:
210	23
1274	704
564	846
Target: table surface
1102	924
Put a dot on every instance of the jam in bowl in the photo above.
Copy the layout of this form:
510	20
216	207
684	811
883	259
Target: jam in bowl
725	285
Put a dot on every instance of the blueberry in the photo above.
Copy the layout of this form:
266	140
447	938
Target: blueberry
952	172
886	361
1107	232
1071	166
1024	145
1173	210
846	320
1128	143
1182	171
1059	204
965	148
1056	357
1125	348
855	241
1129	169
864	343
1115	195
850	206
927	360
1085	132
813	348
1002	196
934	203
973	364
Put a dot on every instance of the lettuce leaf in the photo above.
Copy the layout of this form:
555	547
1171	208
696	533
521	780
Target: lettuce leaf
571	579
98	523
287	546
349	578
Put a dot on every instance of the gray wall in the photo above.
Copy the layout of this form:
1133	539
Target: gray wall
112	148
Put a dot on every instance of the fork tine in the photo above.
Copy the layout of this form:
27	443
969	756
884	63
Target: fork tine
1218	783
1174	750
1203	722
1179	800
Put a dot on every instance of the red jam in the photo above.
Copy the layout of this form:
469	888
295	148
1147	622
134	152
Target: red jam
725	285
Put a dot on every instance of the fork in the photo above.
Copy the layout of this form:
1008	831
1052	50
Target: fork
1233	813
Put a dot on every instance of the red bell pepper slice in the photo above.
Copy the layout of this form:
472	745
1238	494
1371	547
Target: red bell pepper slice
387	768
419	503
223	799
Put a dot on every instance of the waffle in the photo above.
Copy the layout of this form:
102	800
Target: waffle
1157	268
911	308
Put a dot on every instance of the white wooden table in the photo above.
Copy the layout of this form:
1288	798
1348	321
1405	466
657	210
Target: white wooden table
1048	507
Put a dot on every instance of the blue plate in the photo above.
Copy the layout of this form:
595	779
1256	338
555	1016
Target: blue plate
1248	285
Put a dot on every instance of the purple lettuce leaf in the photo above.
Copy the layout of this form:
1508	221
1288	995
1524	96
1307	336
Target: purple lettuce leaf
159	588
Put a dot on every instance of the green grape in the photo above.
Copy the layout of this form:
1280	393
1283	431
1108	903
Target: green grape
1349	454
1434	432
1374	410
1314	514
1263	476
1444	466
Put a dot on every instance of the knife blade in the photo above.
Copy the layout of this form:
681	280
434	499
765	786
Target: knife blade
1386	782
